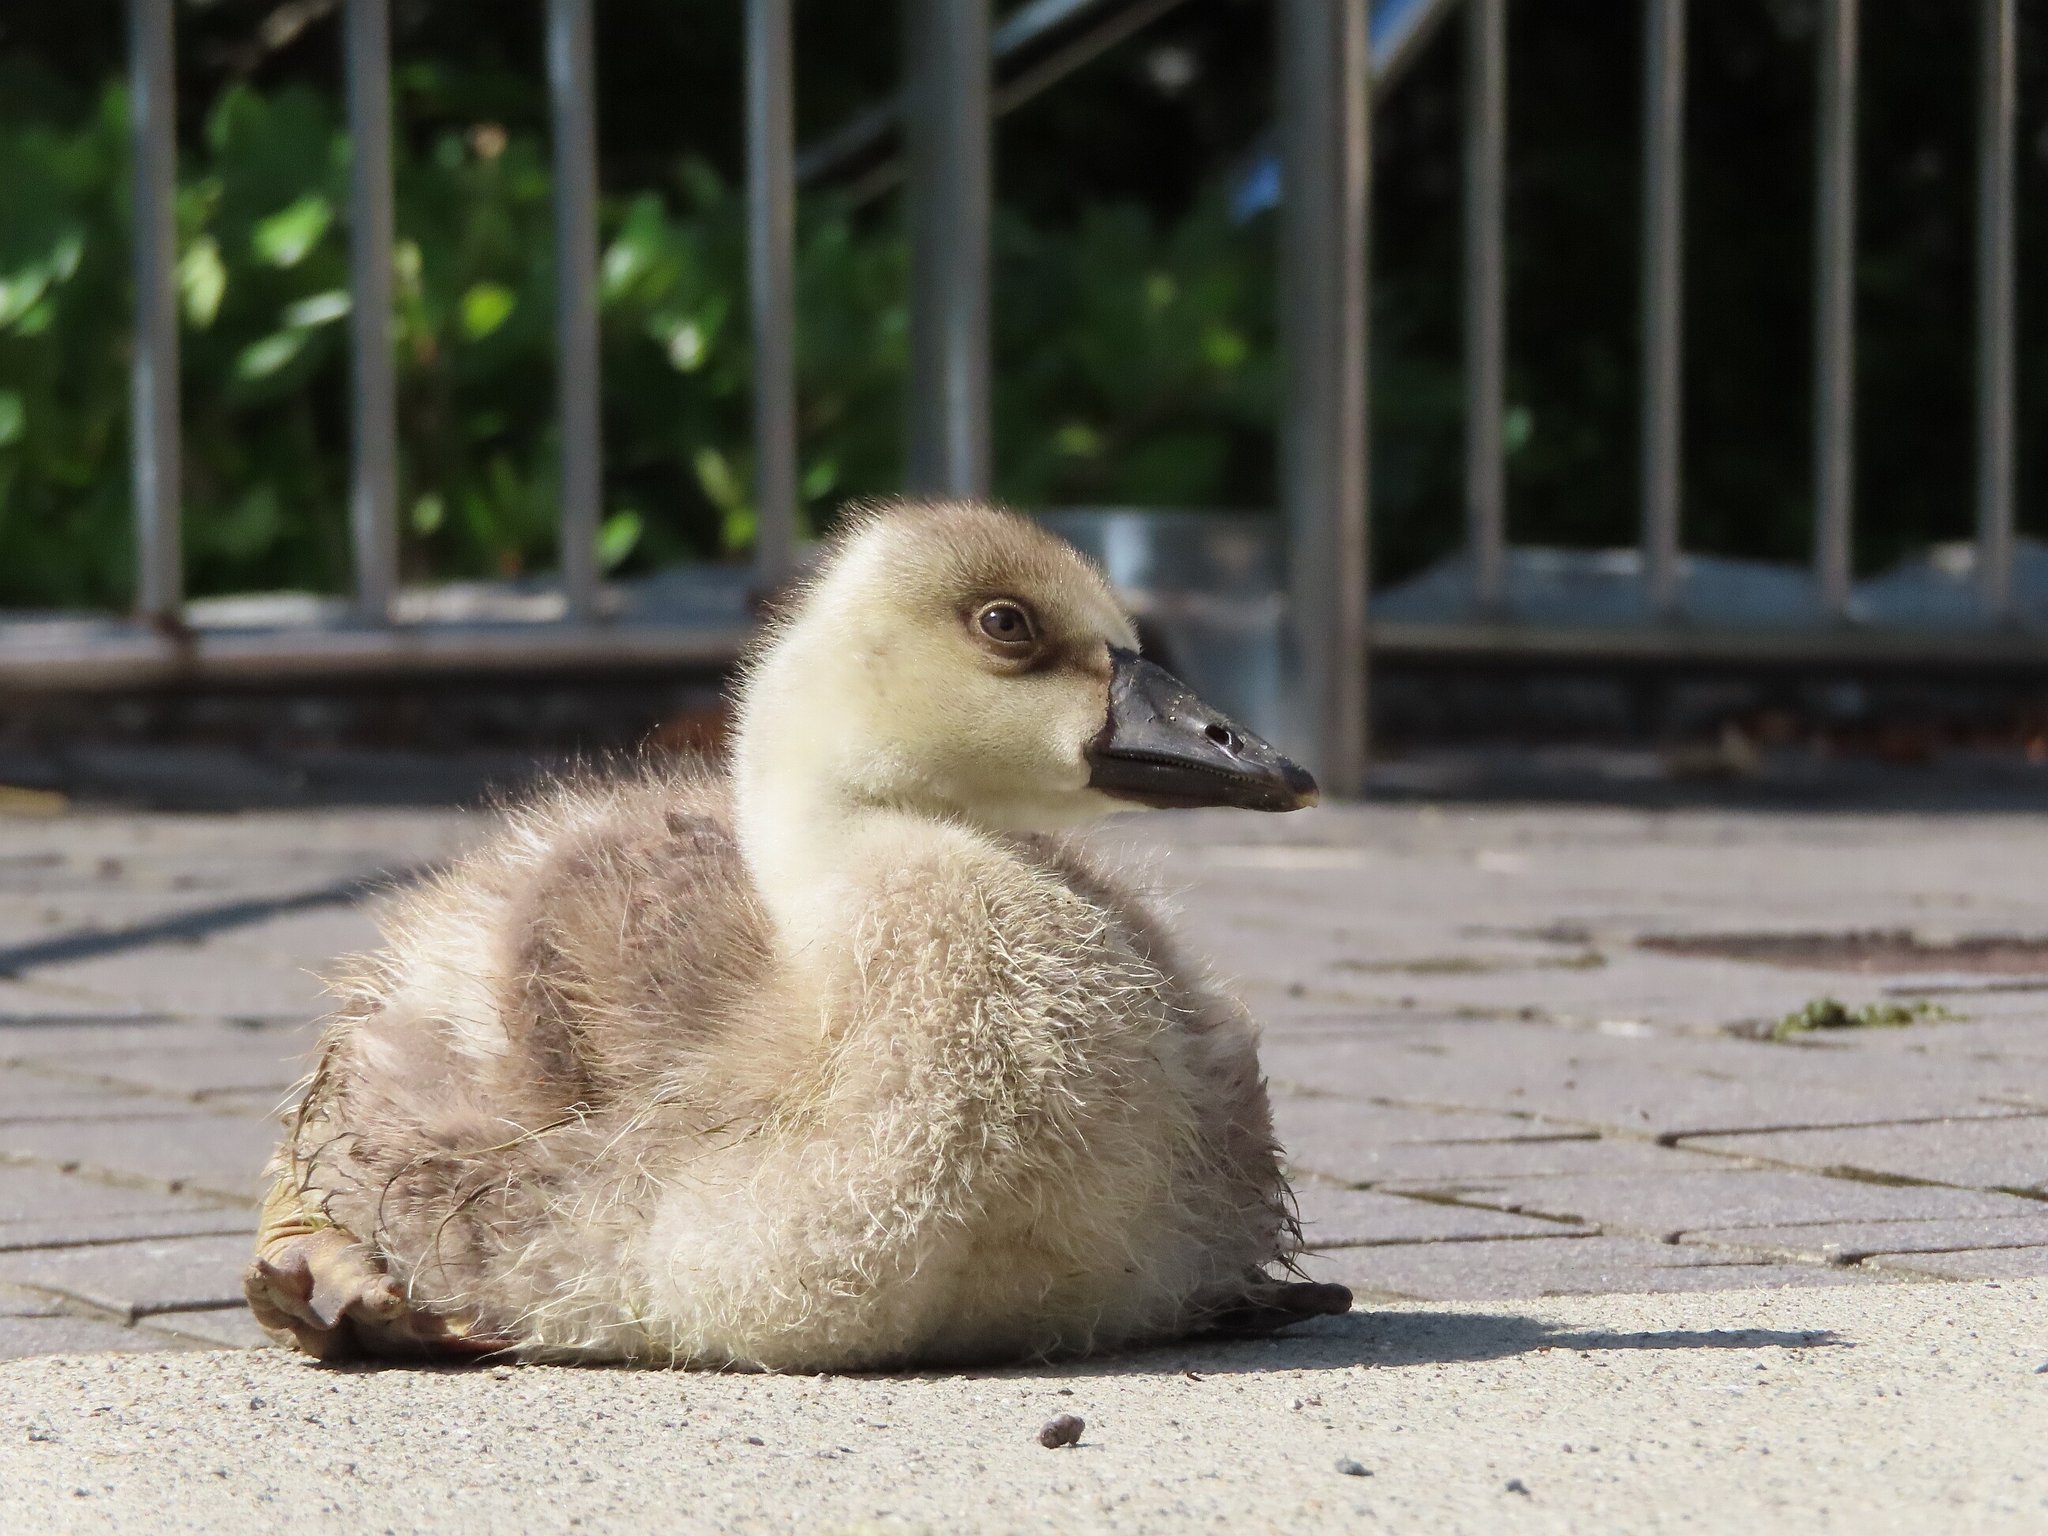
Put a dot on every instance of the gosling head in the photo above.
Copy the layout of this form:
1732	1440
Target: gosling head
961	661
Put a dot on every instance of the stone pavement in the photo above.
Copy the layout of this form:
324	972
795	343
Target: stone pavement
1488	1086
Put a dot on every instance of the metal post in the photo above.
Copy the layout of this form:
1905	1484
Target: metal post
1835	308
1663	296
153	440
1326	158
572	93
947	143
373	493
1995	318
771	270
1486	90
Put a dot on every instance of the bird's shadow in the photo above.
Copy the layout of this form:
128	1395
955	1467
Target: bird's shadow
1368	1337
1363	1337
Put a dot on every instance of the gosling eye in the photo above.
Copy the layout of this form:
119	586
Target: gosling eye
1006	625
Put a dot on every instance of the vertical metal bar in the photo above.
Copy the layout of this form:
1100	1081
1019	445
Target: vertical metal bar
771	270
1835	308
1326	169
154	449
1663	296
1486	91
373	493
947	142
1995	318
572	92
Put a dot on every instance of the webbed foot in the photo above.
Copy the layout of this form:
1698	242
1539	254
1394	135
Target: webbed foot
1276	1305
313	1285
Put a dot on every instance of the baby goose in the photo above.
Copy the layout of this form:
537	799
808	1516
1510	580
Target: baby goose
833	1061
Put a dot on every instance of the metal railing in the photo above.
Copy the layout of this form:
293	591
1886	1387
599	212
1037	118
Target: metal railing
1326	73
1483	614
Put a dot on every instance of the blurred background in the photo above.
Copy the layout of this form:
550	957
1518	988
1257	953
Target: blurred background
1135	359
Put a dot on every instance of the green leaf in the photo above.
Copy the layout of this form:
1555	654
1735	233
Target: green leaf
1517	426
13	417
261	359
715	475
317	309
203	281
618	538
485	307
686	347
820	479
428	514
287	237
20	291
1078	440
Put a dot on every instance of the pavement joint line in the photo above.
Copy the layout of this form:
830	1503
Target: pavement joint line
196	924
116	1179
61	1244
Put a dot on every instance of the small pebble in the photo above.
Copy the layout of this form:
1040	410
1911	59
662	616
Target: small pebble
1061	1429
255	1402
1516	1485
2041	1369
755	1440
501	1373
1352	1468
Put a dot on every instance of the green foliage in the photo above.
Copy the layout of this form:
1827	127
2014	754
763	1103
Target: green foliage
1135	362
1825	1013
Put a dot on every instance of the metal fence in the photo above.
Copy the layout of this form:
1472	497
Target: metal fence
1326	74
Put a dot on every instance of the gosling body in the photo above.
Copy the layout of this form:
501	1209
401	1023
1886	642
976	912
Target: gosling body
847	1057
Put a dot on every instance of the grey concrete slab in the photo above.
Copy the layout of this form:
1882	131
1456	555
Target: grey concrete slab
30	1195
1969	1264
1666	1202
268	1062
64	1334
203	1153
16	1302
1855	1408
1333	1217
208	1328
27	1096
136	1279
68	1232
1447	1166
1850	1241
2006	1154
1343	1138
192	979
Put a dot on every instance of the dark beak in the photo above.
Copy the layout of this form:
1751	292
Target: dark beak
1163	746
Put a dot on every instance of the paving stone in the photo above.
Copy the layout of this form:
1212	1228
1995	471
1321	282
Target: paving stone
26	1097
212	1327
1968	1264
136	1279
1667	1202
61	1334
25	1006
1847	1242
1434	1168
36	1195
1341	1137
16	1302
1332	1217
1555	1266
217	1155
1988	1154
1643	1085
71	1232
271	1061
192	979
